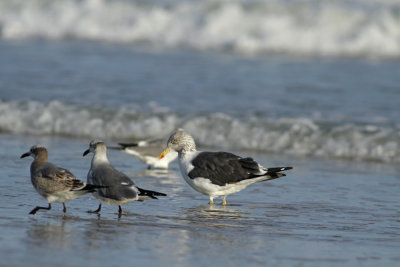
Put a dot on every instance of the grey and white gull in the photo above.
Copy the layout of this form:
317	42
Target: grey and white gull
147	151
120	188
54	183
217	174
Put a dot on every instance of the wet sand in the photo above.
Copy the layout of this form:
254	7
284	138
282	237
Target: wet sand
323	213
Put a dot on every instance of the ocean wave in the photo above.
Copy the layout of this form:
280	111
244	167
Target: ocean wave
309	27
291	136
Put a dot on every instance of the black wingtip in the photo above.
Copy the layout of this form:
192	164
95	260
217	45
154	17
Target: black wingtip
278	169
115	148
93	187
125	145
149	193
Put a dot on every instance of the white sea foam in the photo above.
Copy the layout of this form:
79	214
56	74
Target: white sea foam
309	27
292	136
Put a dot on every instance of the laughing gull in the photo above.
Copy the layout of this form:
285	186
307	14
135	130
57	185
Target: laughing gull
120	188
54	183
217	174
147	151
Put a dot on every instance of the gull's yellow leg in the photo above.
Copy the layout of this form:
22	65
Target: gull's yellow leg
223	200
211	201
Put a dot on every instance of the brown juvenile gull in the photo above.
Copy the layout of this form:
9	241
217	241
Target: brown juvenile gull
54	183
120	188
217	174
147	151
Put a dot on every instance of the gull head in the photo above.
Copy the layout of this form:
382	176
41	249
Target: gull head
36	152
180	141
95	145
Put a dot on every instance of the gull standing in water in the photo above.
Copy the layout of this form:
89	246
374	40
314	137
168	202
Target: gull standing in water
217	174
54	183
120	188
147	151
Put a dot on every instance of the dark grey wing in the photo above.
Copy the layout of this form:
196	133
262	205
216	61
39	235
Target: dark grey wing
119	185
223	168
107	175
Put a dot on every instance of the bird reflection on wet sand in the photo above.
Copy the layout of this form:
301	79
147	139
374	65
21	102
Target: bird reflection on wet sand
215	216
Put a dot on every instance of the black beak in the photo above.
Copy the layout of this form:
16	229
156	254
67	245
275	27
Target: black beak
86	152
27	154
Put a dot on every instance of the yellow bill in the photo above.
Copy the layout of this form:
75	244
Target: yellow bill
165	152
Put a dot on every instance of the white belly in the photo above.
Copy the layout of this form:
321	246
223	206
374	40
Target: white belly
63	196
111	201
205	187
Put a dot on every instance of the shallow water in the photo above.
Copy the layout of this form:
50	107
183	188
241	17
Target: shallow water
321	213
332	108
258	78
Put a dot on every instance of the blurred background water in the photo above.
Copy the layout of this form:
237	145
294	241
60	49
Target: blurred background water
312	83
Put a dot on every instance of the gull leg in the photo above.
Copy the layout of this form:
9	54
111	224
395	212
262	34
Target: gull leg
64	208
119	211
224	201
211	200
40	208
96	211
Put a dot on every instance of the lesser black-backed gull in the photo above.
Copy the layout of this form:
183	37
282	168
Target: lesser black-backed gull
217	174
120	188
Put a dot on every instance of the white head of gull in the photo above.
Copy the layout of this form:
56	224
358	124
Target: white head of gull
181	142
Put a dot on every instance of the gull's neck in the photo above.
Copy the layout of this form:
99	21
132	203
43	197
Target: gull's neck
188	149
100	156
41	157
